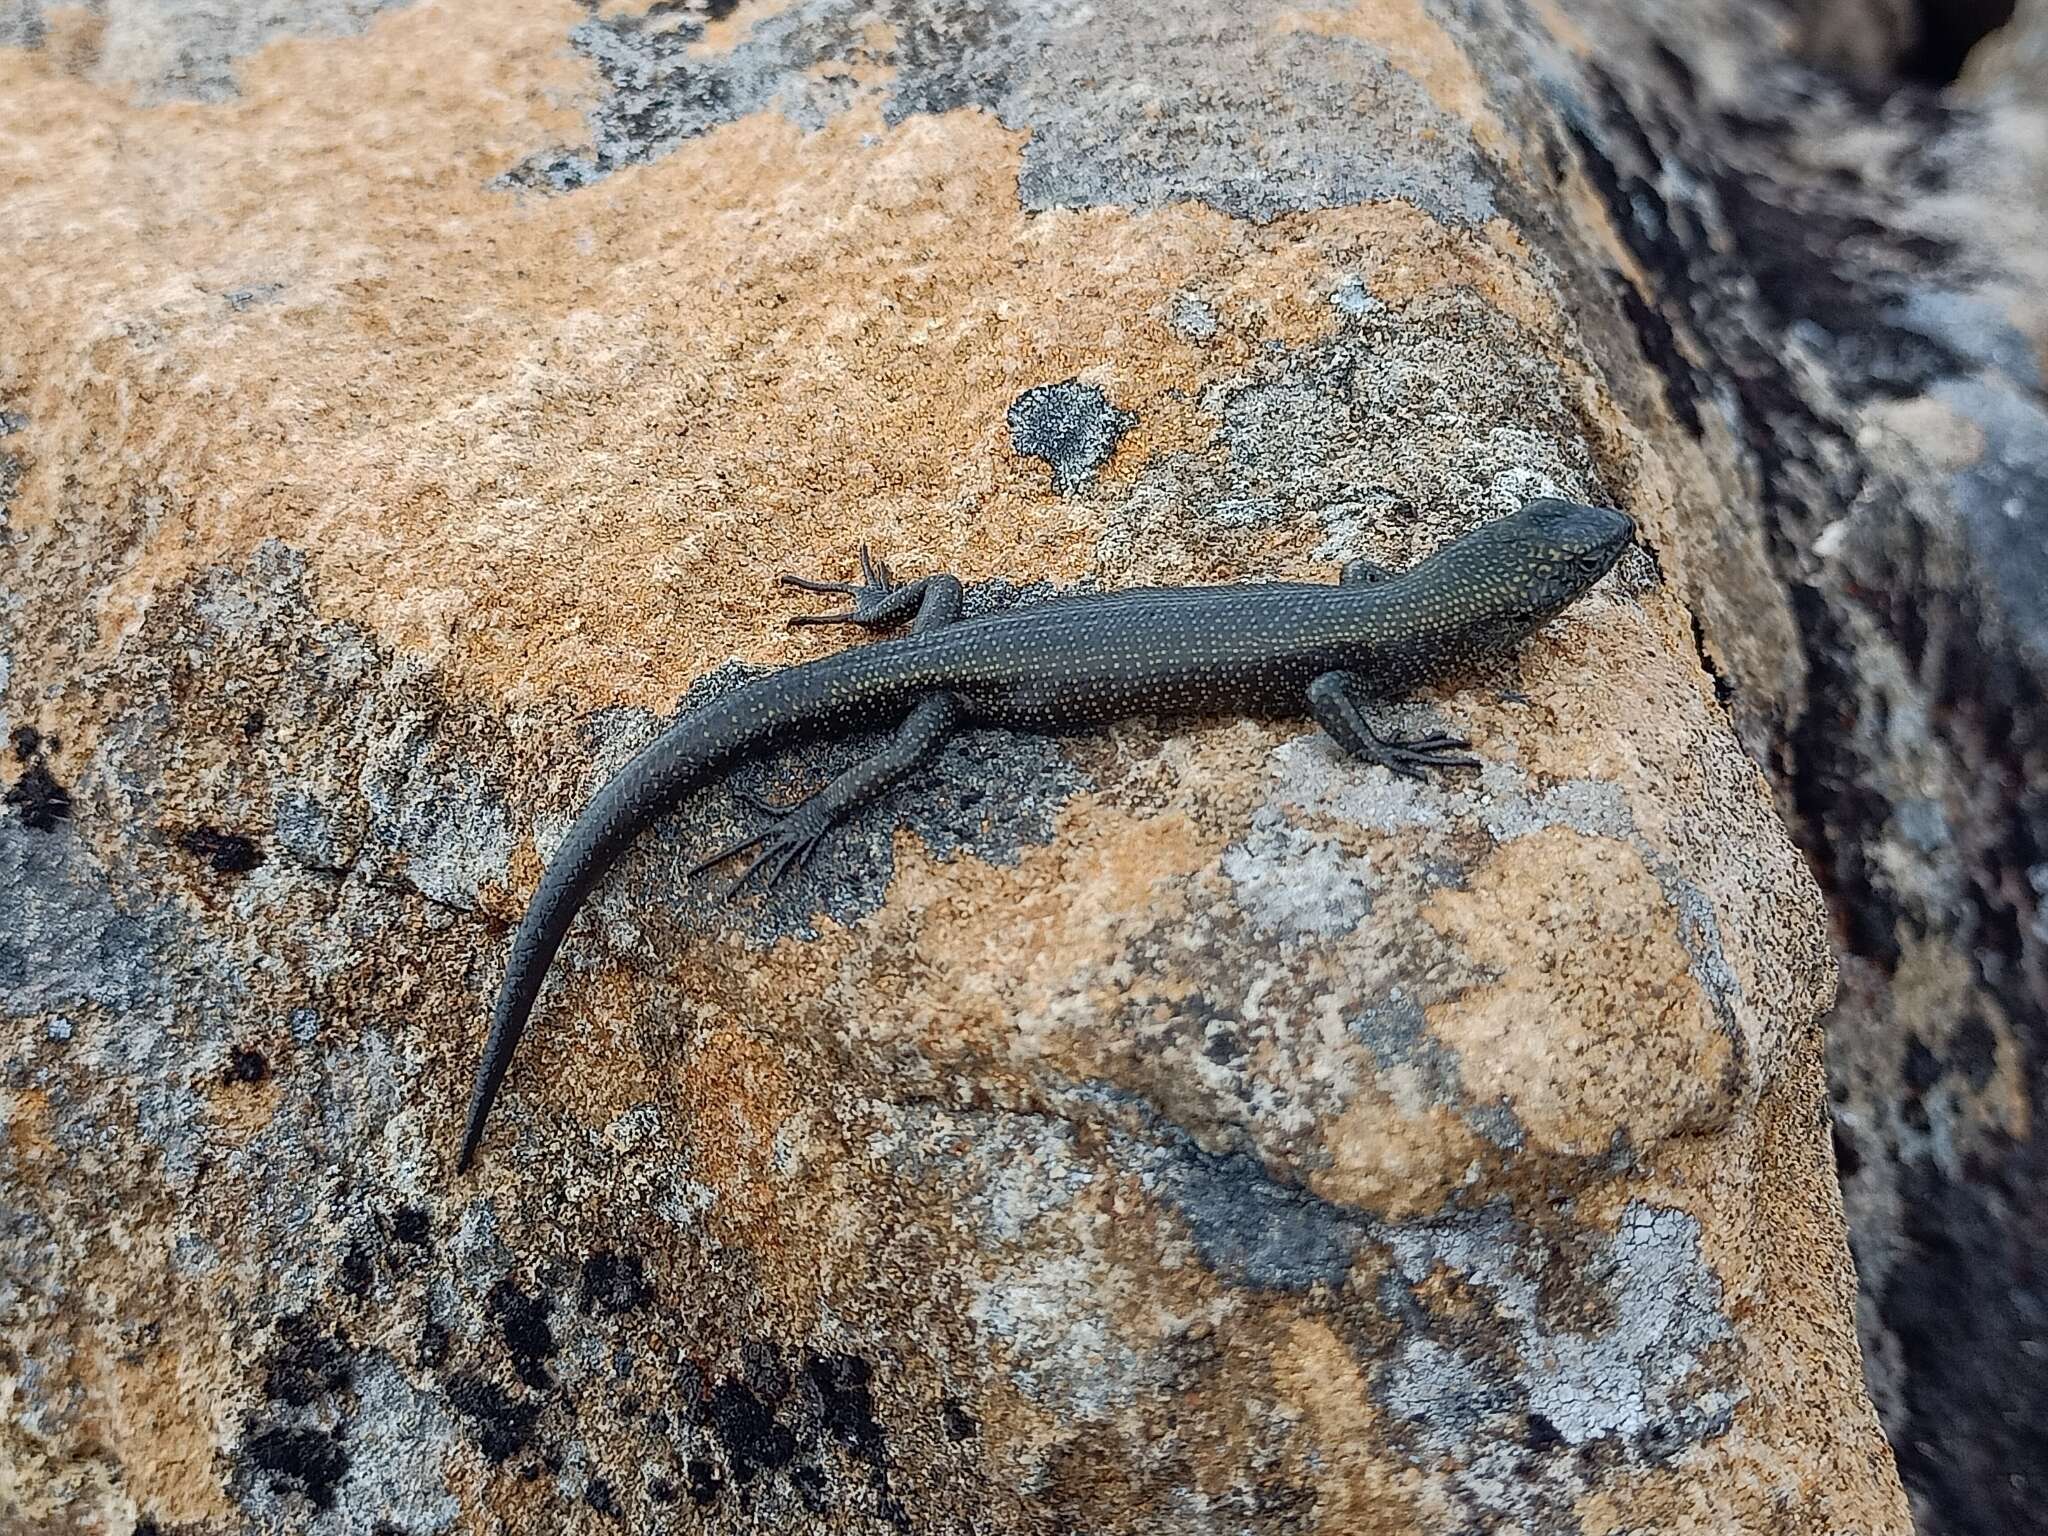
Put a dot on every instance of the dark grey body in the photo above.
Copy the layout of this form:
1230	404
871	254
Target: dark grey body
1272	648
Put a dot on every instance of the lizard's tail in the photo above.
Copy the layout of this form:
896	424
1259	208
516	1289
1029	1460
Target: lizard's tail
781	707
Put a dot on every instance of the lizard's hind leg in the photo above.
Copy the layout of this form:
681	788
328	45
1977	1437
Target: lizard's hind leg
881	602
797	829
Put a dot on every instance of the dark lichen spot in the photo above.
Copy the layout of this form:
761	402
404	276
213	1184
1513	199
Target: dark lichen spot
1921	1069
597	1493
246	1065
1070	425
960	1424
809	1483
433	1342
1848	1156
502	1426
1252	1231
311	1460
703	1481
305	1364
37	796
409	1224
841	1382
356	1274
746	1427
662	1491
229	853
614	1283
523	1325
26	741
1973	1051
1539	1434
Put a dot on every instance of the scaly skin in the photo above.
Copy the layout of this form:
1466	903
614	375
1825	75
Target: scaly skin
1270	648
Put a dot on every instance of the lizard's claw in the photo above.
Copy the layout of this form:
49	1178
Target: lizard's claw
1409	758
784	847
790	839
877	582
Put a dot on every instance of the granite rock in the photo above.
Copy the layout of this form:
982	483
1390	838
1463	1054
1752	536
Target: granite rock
1179	1129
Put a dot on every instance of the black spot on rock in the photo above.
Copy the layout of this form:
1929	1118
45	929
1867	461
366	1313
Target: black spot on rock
841	1382
809	1483
356	1273
1539	1434
662	1491
746	1427
247	1066
37	796
502	1426
523	1324
1848	1156
1973	1051
305	1364
409	1224
311	1460
1921	1069
229	853
703	1482
597	1493
1070	425
960	1424
614	1283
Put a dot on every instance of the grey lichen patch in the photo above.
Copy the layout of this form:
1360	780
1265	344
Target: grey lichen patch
1421	1070
65	941
1193	316
184	50
1387	439
1072	426
433	810
1296	885
1006	1174
21	24
1350	128
659	93
1248	1229
1622	1341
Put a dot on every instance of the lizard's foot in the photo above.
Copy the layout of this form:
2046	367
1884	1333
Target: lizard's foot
784	846
1330	700
1410	757
871	594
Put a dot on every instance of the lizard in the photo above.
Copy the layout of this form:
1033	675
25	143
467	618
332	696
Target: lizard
1066	664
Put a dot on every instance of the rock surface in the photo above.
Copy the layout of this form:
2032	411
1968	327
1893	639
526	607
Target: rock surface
1854	292
1182	1129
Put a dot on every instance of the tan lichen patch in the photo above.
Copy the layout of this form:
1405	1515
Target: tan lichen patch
1595	1024
1361	1488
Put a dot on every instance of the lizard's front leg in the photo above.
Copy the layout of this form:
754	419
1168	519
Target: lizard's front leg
881	602
1333	700
798	829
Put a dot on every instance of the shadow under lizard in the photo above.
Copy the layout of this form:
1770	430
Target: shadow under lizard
1267	648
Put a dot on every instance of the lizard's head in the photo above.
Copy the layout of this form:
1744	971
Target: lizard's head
1537	562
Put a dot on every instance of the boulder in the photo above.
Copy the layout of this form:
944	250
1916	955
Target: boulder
1180	1128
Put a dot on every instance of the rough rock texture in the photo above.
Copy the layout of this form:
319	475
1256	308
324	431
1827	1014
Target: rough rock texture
1850	292
1182	1129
